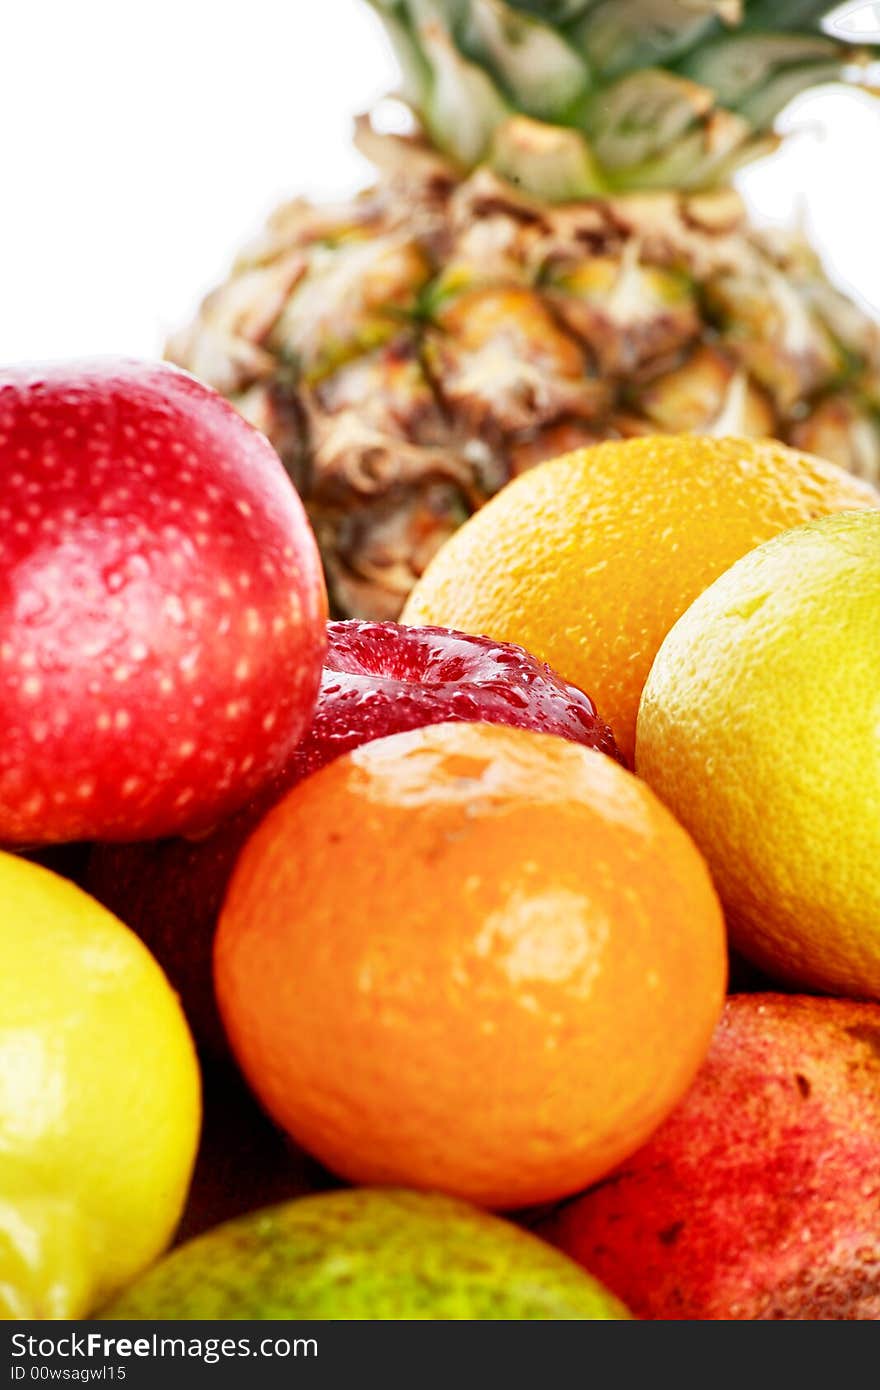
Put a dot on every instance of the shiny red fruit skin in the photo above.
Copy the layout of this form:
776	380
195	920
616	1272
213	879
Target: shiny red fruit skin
759	1197
162	605
378	679
384	678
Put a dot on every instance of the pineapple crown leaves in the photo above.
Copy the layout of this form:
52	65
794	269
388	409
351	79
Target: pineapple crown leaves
577	98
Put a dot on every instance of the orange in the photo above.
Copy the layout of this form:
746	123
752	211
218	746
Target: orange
589	560
472	959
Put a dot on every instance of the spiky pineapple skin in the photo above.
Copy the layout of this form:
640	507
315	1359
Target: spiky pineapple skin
410	352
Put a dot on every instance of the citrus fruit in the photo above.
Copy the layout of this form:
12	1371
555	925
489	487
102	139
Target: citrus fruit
587	561
759	728
367	1255
470	958
377	679
99	1099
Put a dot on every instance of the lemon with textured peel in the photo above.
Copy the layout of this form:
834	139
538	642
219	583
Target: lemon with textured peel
99	1099
759	727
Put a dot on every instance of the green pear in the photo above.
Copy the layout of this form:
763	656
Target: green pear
367	1254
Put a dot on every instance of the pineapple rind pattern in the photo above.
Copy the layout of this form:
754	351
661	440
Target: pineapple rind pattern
409	352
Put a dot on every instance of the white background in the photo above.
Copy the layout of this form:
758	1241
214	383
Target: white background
141	143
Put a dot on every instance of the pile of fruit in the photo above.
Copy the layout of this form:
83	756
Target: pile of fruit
521	958
395	895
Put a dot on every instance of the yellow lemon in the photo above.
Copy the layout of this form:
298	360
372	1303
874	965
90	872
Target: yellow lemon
587	561
99	1099
760	728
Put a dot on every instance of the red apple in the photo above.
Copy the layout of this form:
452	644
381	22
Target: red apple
759	1197
378	679
162	605
382	678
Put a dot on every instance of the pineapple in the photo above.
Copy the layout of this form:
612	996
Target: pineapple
554	256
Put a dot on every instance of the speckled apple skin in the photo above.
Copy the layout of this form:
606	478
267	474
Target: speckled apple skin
759	1197
162	605
366	1254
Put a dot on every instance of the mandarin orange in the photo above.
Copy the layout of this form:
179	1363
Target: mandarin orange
471	958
